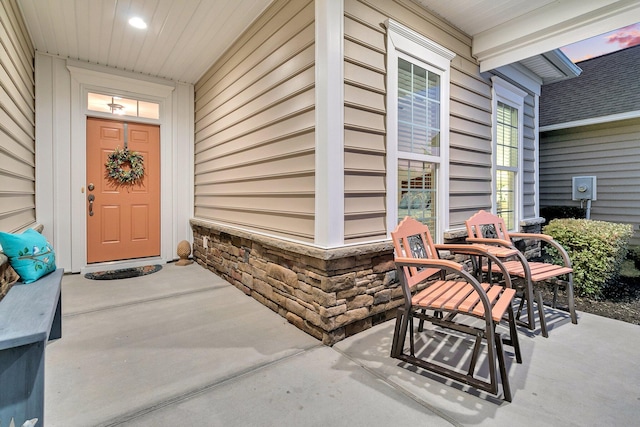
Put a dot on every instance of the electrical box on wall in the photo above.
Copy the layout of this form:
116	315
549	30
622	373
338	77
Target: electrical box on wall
584	188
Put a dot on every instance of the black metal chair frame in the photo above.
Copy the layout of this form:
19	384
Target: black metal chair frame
447	277
500	243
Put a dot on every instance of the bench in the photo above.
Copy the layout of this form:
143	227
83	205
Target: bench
30	315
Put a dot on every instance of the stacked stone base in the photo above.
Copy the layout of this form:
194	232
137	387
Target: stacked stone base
330	294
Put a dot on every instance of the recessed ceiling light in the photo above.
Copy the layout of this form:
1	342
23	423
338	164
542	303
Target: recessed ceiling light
138	23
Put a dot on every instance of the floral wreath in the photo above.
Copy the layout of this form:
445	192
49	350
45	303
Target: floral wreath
119	158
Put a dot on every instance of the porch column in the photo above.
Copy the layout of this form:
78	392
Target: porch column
329	162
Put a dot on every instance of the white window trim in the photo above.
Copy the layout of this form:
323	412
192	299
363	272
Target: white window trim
509	94
415	45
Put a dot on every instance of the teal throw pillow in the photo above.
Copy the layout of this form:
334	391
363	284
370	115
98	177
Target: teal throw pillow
30	255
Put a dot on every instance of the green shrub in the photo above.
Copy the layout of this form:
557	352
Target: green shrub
596	249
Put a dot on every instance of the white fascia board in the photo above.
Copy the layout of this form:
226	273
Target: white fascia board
592	121
563	63
521	74
550	27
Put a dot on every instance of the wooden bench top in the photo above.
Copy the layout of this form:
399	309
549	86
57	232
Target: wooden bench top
27	311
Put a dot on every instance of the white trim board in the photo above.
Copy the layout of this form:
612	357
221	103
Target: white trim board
592	121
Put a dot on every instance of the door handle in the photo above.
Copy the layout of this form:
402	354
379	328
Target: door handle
91	198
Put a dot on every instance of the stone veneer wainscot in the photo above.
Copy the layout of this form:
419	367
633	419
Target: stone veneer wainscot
328	293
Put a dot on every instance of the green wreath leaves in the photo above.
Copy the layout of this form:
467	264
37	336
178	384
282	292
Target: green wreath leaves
125	167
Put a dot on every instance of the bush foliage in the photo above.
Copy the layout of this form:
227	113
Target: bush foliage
596	249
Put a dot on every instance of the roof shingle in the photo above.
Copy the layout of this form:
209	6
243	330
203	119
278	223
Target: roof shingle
609	84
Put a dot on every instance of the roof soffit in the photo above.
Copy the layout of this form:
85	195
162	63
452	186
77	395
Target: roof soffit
550	27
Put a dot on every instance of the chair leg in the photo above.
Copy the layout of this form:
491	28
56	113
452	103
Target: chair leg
506	388
399	333
529	292
412	349
520	306
572	305
421	323
475	354
543	322
513	335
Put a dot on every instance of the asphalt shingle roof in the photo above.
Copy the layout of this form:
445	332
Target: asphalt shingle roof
609	84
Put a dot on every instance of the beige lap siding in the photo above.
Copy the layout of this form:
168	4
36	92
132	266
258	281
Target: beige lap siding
255	128
17	122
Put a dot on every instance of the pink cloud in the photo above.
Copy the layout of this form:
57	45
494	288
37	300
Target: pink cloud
584	58
605	43
625	37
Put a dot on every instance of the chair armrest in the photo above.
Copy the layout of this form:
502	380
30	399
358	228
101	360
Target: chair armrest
548	239
489	241
538	236
485	251
432	263
473	249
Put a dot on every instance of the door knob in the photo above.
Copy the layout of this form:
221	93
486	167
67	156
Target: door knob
91	198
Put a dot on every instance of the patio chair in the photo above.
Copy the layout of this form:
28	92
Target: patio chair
489	230
443	293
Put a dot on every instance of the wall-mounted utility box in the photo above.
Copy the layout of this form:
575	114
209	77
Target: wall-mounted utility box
584	188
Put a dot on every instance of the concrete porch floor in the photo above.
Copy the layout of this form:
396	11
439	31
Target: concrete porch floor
182	347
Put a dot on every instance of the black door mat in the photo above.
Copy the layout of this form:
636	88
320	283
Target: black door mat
124	273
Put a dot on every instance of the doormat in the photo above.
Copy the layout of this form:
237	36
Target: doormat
124	273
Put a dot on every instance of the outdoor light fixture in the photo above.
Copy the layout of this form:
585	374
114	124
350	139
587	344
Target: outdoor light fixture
137	22
115	107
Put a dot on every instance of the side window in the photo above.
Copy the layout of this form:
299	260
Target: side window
508	105
418	142
417	129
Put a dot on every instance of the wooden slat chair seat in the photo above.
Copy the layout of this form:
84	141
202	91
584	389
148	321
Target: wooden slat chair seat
490	231
449	295
540	271
445	294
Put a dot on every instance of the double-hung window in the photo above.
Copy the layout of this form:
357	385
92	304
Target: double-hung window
508	105
417	129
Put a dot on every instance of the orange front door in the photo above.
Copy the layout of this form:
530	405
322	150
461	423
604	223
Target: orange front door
123	220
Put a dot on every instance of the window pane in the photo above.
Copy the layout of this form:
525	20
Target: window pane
129	107
417	192
99	102
419	80
507	136
148	110
122	106
404	107
418	109
507	139
434	86
505	197
404	76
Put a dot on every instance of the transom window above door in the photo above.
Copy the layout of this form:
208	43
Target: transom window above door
122	106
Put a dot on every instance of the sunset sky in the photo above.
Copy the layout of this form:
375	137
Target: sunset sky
604	43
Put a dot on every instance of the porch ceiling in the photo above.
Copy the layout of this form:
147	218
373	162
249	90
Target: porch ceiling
186	37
